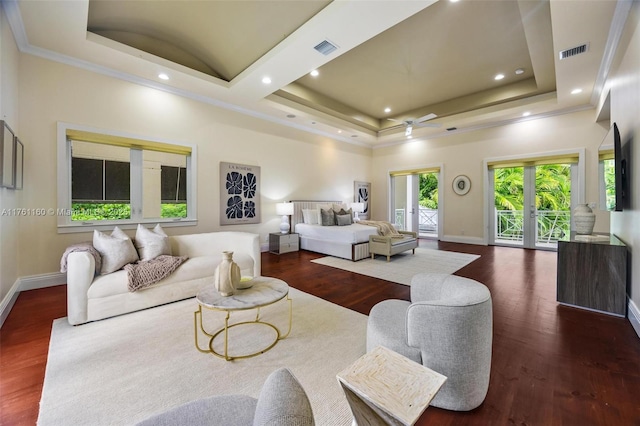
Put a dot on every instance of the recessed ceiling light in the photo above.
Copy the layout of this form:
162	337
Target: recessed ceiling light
339	131
387	110
163	76
266	80
314	73
526	114
519	71
576	91
454	1
498	77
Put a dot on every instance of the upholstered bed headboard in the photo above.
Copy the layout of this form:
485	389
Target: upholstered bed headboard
298	205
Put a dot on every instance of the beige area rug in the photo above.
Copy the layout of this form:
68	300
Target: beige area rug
404	265
120	370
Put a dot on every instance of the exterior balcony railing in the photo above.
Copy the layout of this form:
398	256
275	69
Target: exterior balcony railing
551	226
427	220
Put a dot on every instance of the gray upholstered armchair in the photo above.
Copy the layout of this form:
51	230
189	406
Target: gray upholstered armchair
282	402
447	327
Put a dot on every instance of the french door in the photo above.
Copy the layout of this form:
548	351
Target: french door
532	203
414	201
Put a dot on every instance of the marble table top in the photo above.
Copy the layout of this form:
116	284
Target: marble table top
264	291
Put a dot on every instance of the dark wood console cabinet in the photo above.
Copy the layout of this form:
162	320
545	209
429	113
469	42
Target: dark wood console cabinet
592	273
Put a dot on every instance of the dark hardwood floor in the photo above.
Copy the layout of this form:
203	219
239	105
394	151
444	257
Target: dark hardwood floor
551	365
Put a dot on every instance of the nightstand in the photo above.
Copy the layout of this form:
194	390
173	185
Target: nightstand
280	243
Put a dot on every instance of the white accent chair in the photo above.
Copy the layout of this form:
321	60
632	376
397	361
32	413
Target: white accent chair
282	402
447	327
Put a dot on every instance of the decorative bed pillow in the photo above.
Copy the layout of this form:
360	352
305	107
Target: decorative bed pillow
116	250
343	219
151	243
328	217
320	207
310	216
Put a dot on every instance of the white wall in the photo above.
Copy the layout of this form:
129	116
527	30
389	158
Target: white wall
464	153
294	164
9	199
625	111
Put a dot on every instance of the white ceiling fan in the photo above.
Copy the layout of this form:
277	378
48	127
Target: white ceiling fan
417	122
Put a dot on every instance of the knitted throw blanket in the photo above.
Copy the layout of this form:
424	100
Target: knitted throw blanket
385	229
88	247
142	274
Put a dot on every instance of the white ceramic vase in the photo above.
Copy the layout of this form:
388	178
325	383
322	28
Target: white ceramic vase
227	275
584	219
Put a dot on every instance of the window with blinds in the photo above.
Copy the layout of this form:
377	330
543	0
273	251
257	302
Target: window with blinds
120	179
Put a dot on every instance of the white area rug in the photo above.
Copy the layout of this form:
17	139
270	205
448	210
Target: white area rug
404	265
120	370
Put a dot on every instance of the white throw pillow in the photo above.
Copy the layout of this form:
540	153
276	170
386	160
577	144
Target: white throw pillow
116	250
310	216
151	243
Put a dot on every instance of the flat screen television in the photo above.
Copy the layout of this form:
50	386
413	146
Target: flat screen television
620	166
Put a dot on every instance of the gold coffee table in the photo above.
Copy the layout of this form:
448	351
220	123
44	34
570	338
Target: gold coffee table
265	291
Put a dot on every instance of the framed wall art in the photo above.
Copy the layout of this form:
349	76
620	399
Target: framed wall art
7	159
362	194
239	194
19	165
461	184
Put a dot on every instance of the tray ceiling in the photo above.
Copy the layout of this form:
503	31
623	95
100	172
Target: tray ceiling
412	57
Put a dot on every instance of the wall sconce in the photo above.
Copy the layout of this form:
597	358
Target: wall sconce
285	210
357	208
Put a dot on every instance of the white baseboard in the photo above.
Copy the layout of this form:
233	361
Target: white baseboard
41	281
28	283
634	316
463	240
8	301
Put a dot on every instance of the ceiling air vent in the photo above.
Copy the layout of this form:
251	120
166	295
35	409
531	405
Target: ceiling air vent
326	47
574	51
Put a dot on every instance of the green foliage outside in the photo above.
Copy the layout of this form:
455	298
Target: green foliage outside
174	210
98	211
429	190
610	183
553	194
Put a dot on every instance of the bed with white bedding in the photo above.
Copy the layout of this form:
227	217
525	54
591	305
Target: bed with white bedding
347	241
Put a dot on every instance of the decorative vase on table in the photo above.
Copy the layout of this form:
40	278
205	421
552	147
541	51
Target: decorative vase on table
227	275
584	218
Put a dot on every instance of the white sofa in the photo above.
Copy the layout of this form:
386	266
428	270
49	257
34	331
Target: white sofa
92	297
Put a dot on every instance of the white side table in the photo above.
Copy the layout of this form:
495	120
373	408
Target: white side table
384	387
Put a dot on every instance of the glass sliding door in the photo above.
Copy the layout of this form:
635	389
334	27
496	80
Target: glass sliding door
532	203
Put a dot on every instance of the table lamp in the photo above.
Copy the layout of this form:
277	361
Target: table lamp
357	208
286	210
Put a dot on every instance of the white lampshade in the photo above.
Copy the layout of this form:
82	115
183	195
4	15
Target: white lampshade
357	207
286	210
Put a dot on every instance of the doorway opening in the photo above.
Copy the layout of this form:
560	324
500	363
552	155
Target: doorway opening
414	201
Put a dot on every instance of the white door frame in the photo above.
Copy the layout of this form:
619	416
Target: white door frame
441	201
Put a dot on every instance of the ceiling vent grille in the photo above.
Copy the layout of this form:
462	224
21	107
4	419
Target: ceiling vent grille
326	47
574	51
